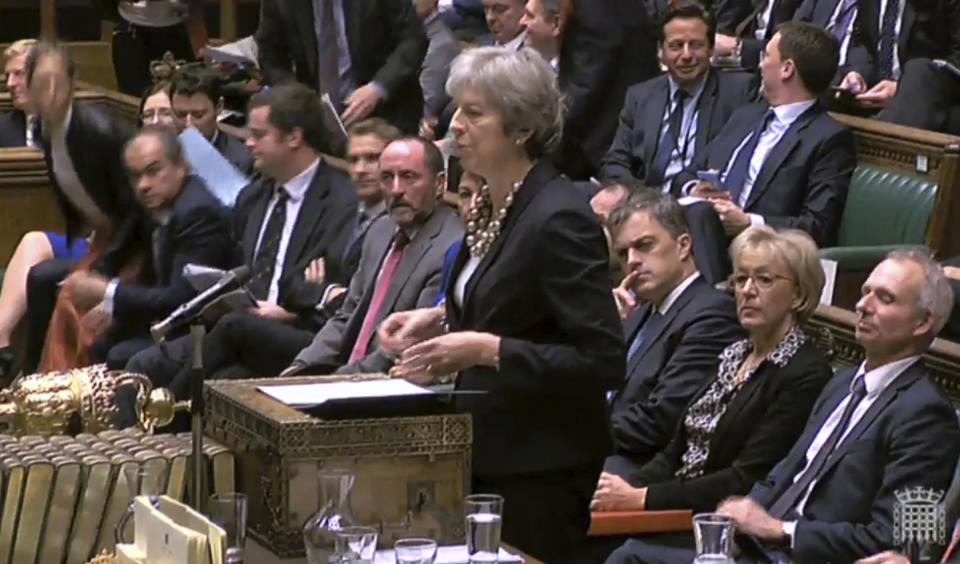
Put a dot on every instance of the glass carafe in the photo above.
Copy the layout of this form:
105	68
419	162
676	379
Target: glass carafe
320	531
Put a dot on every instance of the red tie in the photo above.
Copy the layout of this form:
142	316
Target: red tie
953	545
379	291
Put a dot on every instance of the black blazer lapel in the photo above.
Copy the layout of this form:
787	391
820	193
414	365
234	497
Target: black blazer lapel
909	15
750	389
309	219
412	256
539	176
653	119
303	14
708	101
904	380
352	20
254	223
779	153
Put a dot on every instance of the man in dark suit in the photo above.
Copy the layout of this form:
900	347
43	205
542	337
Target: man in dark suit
366	54
300	209
608	46
503	21
875	430
189	226
666	121
83	149
196	101
674	339
785	162
19	127
347	343
744	27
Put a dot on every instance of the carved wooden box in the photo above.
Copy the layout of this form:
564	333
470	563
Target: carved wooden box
411	472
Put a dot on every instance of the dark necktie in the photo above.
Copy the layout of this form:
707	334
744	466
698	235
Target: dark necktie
649	326
848	9
888	38
265	259
669	141
786	504
328	53
379	291
737	175
356	236
158	240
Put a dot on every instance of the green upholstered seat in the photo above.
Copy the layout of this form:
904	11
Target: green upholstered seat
885	209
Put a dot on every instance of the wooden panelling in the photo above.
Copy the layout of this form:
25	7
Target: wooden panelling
27	202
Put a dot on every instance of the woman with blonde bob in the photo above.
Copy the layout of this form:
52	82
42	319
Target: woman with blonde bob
746	418
529	318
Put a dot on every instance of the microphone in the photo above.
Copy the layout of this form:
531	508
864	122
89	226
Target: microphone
230	281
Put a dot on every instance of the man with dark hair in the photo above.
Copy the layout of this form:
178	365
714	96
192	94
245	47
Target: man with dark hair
84	154
365	54
668	120
674	337
400	264
784	162
300	209
197	101
189	226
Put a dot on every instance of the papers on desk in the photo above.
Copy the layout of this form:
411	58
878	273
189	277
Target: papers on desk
222	178
446	555
304	395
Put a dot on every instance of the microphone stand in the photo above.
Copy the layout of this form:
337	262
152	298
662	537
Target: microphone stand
197	333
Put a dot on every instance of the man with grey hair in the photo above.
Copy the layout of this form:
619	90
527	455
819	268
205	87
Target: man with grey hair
877	429
542	19
503	21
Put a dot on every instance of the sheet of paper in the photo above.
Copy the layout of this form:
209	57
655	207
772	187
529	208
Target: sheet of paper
301	395
830	279
222	178
446	555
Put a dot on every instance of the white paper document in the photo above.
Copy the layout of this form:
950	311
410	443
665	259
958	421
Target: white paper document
829	280
222	178
302	395
446	555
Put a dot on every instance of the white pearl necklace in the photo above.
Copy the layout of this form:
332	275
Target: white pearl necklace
482	230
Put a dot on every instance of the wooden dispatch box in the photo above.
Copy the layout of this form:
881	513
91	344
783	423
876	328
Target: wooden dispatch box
411	473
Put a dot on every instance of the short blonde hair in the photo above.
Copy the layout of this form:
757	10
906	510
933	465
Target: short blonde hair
521	87
18	48
797	251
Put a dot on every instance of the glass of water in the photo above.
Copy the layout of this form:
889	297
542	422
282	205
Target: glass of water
415	551
229	511
356	545
713	534
484	514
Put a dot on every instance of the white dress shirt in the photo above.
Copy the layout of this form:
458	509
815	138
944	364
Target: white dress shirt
28	134
682	154
763	20
847	33
876	382
296	189
514	44
69	180
675	293
784	116
460	287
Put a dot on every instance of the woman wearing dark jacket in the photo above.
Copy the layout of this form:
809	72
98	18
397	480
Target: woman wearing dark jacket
529	318
743	421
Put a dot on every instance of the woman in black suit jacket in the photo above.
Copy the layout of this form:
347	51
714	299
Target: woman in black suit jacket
742	422
529	316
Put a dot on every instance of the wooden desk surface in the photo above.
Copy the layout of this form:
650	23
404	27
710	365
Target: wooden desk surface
256	554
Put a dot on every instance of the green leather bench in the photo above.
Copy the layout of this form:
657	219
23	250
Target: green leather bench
905	191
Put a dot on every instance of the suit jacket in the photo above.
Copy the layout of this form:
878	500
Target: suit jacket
741	451
443	48
803	181
326	214
741	15
928	29
198	232
414	285
635	145
95	145
235	151
909	437
670	366
544	288
387	45
13	129
608	46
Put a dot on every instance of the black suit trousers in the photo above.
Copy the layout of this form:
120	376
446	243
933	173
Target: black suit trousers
43	285
545	515
927	97
710	242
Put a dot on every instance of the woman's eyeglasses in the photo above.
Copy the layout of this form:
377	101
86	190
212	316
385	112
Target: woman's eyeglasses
763	281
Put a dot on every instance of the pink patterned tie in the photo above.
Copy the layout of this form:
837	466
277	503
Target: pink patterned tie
379	291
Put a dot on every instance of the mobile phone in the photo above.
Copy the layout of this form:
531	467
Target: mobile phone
947	66
843	95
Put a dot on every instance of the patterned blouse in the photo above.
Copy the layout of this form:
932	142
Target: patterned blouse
702	416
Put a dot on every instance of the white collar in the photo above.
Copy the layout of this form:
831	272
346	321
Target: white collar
880	377
514	44
675	293
788	113
297	186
